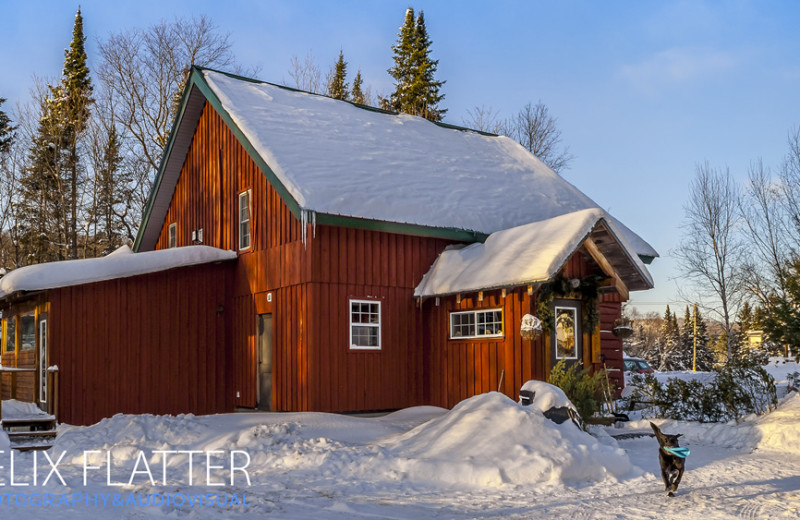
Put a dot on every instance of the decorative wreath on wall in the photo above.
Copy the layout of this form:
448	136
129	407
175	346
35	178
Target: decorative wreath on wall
586	289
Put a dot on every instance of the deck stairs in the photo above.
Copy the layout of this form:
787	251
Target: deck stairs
35	432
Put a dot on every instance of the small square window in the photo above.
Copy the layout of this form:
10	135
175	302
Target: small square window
244	220
365	325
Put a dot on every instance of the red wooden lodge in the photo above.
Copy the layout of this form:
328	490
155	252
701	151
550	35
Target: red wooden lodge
301	253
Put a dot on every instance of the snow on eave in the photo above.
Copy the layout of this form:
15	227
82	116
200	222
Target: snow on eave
121	263
525	255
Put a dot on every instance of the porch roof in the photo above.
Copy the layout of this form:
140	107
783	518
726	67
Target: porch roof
119	264
535	253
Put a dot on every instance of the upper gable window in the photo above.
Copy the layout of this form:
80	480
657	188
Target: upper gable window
244	220
172	235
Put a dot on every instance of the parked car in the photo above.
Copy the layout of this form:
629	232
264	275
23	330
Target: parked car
637	366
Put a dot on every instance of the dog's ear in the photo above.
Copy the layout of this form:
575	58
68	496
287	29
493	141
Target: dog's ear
659	436
678	435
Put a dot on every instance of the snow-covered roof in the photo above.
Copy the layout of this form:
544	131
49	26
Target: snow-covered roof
528	254
120	264
336	158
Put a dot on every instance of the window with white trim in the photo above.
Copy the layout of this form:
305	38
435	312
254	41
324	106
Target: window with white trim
172	235
476	324
567	331
244	220
365	324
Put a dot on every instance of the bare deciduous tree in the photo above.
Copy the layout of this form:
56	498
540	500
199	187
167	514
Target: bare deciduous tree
142	73
763	211
484	119
307	75
535	129
709	252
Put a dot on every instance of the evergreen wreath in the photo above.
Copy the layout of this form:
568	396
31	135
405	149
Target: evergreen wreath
561	287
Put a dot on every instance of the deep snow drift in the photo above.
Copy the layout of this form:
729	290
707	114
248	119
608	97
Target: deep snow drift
487	458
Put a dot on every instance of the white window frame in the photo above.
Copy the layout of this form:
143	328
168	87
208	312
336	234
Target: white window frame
43	360
353	346
475	334
576	309
172	235
245	239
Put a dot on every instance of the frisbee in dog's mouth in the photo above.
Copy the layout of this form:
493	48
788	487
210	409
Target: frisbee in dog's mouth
679	452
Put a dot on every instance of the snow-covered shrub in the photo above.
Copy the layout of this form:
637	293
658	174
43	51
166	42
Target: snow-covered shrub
583	390
744	387
793	380
739	389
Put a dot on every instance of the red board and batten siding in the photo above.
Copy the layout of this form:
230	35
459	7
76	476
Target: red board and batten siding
463	368
311	284
147	344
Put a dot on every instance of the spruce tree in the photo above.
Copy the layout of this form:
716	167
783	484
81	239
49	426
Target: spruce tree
416	89
402	73
41	231
705	356
669	342
77	95
745	318
358	92
6	130
425	86
111	187
337	86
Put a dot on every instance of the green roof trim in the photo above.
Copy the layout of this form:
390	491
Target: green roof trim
460	235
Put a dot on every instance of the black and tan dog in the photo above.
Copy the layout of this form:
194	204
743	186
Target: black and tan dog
672	459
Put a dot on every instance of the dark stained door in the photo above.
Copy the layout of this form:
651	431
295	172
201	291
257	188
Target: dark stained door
265	361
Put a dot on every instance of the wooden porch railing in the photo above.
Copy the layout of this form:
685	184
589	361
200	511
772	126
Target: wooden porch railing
52	387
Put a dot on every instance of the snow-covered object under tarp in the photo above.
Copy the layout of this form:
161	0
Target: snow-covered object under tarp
489	440
527	254
119	264
336	158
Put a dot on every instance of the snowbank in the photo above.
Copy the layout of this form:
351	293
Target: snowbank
489	441
780	430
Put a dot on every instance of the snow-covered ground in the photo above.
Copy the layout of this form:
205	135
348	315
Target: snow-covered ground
487	458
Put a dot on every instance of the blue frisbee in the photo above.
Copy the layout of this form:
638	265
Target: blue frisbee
679	452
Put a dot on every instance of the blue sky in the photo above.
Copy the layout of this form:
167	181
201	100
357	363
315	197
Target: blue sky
643	91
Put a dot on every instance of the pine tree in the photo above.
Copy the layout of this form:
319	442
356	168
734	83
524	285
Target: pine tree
402	71
685	351
782	319
425	86
41	231
745	318
111	187
669	342
6	130
357	91
337	86
77	94
416	90
705	357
